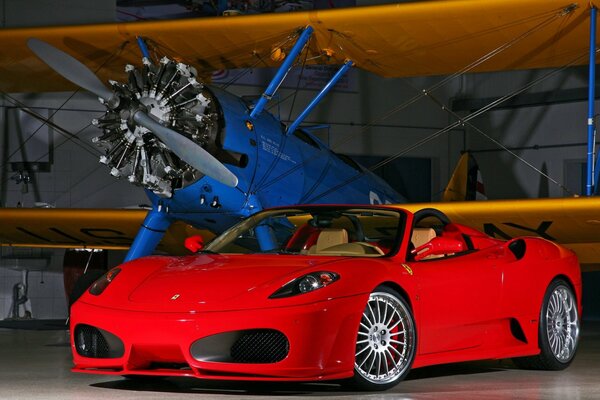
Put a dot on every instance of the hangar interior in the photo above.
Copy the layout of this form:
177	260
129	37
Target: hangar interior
537	149
546	126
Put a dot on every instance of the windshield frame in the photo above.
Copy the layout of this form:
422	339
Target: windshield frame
233	233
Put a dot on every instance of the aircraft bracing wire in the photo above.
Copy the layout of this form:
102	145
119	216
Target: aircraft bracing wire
158	48
58	146
464	120
258	61
466	69
284	140
70	136
350	136
82	180
461	122
7	96
19	105
108	59
502	146
48	107
299	81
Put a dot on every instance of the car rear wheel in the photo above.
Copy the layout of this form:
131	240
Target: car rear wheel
386	341
558	331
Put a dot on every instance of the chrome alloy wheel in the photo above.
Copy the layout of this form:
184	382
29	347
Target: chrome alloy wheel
562	323
386	339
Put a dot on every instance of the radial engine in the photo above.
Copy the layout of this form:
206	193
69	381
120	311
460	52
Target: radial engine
171	94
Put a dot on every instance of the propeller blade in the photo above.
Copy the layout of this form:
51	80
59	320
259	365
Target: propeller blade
70	69
188	151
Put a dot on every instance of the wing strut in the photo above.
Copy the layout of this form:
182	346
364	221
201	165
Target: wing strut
592	177
151	232
338	75
143	48
282	72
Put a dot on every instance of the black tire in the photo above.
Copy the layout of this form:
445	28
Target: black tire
83	283
144	378
558	334
380	336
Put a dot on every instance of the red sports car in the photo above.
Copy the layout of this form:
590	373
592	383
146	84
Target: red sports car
312	293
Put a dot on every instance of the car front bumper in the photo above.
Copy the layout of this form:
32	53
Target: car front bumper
321	339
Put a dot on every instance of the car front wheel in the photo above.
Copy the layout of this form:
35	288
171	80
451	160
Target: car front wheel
386	341
558	330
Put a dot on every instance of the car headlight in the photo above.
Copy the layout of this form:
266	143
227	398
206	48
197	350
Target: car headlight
101	284
306	283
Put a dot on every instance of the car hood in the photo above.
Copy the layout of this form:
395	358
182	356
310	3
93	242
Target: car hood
207	282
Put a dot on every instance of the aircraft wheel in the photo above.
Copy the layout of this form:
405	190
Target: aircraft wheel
386	341
558	330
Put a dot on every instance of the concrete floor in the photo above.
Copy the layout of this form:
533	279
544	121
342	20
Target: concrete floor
35	365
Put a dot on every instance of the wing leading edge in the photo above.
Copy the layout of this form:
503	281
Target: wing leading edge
408	39
84	228
573	222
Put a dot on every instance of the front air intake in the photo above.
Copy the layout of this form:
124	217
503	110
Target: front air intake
260	346
97	343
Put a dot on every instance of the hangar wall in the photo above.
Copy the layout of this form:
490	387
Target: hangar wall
74	179
548	128
530	127
46	293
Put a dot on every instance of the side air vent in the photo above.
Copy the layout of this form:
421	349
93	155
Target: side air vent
517	331
97	343
517	247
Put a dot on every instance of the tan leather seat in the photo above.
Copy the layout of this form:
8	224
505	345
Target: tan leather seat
329	237
420	236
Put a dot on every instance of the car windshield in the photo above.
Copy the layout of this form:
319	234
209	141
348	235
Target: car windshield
319	230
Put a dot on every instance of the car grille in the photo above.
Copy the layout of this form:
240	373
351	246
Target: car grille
260	346
96	343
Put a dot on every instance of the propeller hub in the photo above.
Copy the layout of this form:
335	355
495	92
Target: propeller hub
153	108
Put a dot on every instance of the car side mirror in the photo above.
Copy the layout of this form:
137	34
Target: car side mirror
194	243
438	246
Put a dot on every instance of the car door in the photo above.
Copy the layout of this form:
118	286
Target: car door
458	298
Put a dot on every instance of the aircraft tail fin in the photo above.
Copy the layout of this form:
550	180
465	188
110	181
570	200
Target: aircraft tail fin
466	182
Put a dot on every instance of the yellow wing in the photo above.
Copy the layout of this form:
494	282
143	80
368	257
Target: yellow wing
573	222
408	39
84	228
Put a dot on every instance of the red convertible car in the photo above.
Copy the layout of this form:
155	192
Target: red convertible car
311	293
